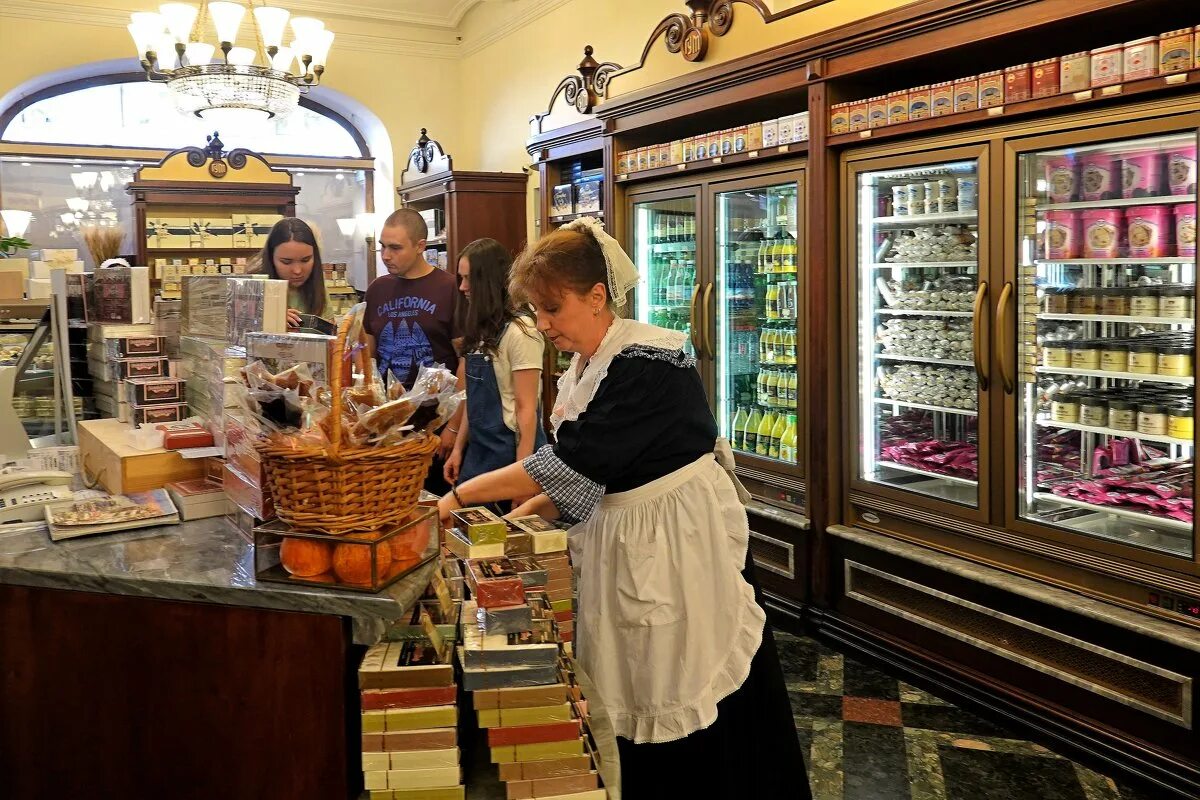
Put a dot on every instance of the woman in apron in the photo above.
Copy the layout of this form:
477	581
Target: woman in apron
669	627
502	359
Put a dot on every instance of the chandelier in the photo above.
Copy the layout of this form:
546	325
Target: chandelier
248	81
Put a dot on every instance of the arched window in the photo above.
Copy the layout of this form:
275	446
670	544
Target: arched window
142	114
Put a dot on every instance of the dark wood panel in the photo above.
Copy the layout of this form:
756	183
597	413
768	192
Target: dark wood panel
120	697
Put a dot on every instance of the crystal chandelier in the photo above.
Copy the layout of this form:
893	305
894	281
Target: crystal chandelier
257	81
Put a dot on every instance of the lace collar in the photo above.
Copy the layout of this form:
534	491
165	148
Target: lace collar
576	387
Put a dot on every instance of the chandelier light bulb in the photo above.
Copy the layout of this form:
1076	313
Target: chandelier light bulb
144	38
16	221
179	17
305	28
282	60
227	18
199	53
165	50
272	22
319	45
241	56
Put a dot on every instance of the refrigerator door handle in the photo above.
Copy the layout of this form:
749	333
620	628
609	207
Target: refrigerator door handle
693	328
1004	332
709	317
981	371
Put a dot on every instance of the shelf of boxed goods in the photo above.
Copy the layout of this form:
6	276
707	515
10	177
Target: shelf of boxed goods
1136	516
1118	318
1122	376
704	164
924	264
917	220
1166	260
922	312
1128	201
1046	422
966	412
562	219
1159	84
922	360
926	473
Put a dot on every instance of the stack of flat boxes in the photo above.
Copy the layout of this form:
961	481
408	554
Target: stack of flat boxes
409	724
511	661
117	353
170	272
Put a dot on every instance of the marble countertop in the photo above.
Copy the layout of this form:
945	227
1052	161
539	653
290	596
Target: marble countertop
202	561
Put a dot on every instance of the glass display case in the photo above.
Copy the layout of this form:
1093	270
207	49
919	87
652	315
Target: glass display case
1105	321
664	249
919	298
757	314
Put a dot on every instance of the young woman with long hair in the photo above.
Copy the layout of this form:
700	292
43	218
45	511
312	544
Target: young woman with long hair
292	254
502	355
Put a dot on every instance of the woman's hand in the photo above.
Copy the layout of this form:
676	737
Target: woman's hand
293	318
445	506
452	467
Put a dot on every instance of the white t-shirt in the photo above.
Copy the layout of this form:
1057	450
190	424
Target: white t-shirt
521	347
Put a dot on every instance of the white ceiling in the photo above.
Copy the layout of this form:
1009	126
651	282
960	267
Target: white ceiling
430	13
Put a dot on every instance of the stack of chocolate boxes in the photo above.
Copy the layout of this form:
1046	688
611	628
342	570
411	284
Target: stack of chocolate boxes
511	657
409	722
122	357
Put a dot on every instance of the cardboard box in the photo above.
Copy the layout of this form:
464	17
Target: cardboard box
877	114
423	759
1175	51
107	455
12	284
920	102
168	232
966	94
382	669
992	88
1044	78
428	739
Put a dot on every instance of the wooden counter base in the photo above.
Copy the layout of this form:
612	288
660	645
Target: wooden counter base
122	697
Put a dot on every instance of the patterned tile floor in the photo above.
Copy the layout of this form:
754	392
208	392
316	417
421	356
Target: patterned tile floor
869	736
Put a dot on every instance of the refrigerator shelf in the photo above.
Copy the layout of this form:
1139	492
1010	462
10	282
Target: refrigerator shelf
1119	318
912	312
917	220
1103	261
1136	516
921	360
966	412
1123	376
1072	426
926	473
1128	201
925	265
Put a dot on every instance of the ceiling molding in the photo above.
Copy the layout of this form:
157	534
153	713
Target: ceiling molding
61	12
373	13
386	45
531	12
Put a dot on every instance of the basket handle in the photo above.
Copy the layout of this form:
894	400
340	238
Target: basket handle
335	380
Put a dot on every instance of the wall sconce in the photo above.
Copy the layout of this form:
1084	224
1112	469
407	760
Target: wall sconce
16	221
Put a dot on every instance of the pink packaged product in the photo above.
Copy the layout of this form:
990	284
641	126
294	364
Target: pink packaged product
1147	228
1141	173
1181	170
1101	233
1060	178
1062	234
1107	65
1185	229
1100	176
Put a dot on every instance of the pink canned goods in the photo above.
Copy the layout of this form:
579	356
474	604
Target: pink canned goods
1062	234
1100	176
1185	229
1181	170
1101	233
1141	173
1147	228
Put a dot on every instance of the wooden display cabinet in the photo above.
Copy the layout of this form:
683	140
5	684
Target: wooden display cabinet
474	205
195	183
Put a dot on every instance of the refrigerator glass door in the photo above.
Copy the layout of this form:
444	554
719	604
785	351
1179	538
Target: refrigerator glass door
918	231
664	249
1105	325
756	320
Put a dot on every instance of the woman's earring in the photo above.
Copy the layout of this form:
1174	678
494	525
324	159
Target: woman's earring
595	312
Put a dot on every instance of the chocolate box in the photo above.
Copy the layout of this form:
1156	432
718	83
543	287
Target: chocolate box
153	391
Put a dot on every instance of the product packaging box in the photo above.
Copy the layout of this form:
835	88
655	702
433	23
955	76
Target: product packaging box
537	647
966	94
260	227
991	88
897	108
153	391
1175	51
282	351
1044	78
495	582
877	114
406	665
197	499
158	414
1075	72
942	99
480	525
168	232
754	136
919	102
588	196
1017	83
121	469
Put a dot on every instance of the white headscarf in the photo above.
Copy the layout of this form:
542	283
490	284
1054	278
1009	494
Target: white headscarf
622	273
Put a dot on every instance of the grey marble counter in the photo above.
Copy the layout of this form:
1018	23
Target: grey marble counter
202	561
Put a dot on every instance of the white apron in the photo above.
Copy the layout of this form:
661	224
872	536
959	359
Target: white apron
667	624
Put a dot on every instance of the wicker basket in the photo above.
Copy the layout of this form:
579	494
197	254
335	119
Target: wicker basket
340	489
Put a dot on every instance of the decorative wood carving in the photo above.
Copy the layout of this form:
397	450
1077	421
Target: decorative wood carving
426	158
583	91
688	33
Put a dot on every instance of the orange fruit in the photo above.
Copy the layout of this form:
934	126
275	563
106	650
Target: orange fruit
352	562
305	558
409	546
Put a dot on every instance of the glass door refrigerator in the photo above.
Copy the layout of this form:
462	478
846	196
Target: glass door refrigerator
751	324
917	320
664	250
1101	373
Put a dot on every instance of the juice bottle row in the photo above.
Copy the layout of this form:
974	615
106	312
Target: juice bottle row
770	434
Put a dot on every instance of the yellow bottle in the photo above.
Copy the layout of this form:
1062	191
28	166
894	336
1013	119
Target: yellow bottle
777	434
772	387
762	445
750	445
738	429
789	346
793	385
762	386
764	346
772	299
787	445
773	346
